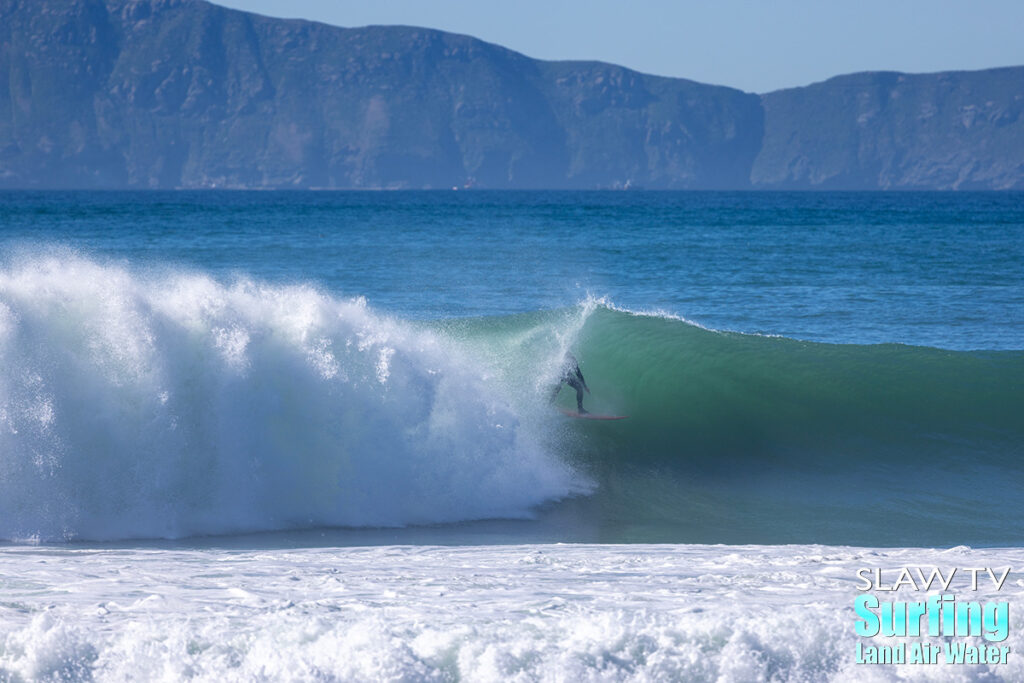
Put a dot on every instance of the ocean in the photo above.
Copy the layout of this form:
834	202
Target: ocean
309	435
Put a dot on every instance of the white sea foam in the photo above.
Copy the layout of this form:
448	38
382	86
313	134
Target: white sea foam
175	405
592	302
488	613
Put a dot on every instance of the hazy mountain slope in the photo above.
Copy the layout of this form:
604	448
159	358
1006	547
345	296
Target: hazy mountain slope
954	130
182	93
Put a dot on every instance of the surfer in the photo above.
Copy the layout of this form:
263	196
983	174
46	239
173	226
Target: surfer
572	376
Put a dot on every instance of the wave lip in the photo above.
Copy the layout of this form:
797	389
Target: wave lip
173	406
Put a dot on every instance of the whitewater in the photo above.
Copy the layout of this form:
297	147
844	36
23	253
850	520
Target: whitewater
176	406
480	613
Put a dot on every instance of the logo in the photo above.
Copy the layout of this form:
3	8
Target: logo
901	631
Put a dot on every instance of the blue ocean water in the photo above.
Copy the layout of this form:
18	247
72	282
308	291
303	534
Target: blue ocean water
796	367
933	269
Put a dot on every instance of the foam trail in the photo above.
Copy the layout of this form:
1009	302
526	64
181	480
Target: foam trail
169	406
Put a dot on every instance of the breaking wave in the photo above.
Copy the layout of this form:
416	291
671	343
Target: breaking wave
170	404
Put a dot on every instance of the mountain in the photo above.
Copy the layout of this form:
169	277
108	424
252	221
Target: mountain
186	94
886	130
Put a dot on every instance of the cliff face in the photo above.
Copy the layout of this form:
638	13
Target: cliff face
181	93
956	130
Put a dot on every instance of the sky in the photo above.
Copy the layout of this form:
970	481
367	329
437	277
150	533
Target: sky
750	45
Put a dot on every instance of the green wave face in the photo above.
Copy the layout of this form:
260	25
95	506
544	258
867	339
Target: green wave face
742	438
697	394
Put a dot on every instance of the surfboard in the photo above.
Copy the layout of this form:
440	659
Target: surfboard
591	416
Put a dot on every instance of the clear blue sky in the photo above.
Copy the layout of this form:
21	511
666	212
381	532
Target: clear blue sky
754	46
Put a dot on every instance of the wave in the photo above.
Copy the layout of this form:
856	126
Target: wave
699	393
169	405
696	394
739	438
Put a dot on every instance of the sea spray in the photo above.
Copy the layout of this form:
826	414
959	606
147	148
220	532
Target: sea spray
135	406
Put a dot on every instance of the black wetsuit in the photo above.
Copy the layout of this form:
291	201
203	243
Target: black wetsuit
572	376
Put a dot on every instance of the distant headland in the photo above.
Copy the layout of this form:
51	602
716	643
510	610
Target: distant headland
166	94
